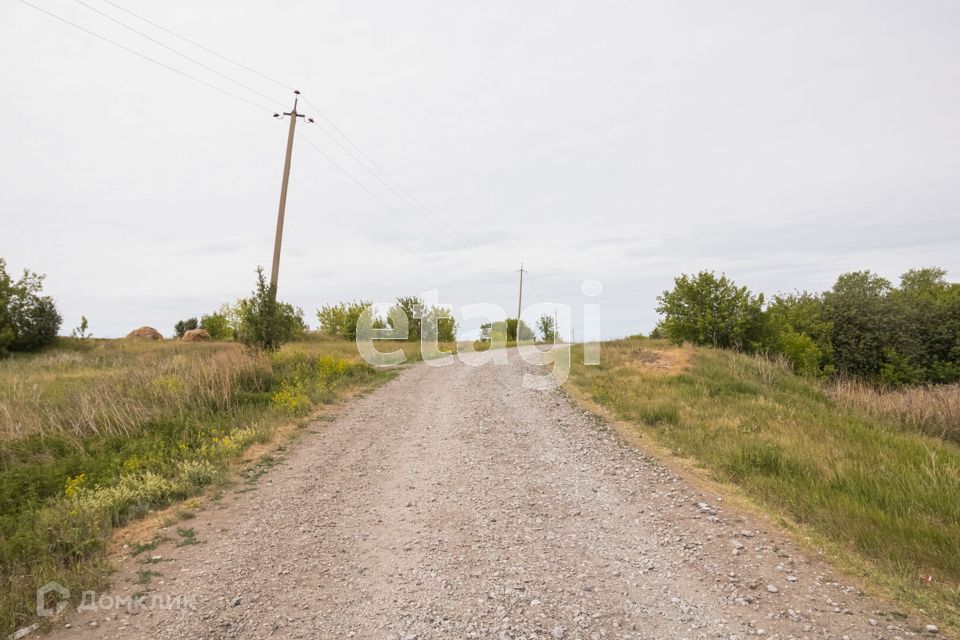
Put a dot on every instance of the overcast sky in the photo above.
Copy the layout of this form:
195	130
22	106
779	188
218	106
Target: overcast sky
780	142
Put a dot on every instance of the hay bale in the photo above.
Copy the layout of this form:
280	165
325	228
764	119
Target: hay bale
196	335
145	333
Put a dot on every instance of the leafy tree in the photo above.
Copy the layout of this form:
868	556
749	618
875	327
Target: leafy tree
217	325
264	322
924	345
82	332
438	322
414	308
859	312
183	326
526	333
796	326
547	328
340	320
232	313
28	320
705	309
658	333
505	330
862	327
7	332
423	321
486	332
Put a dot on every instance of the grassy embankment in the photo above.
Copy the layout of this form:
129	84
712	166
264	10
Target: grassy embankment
95	435
858	474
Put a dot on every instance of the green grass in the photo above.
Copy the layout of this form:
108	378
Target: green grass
187	535
863	484
93	436
144	576
142	547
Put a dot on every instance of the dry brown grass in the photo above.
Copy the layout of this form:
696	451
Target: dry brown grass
114	388
665	360
933	410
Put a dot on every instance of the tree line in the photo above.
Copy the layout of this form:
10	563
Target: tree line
864	326
423	320
340	320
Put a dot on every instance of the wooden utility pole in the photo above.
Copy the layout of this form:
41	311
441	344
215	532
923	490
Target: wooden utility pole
275	272
519	301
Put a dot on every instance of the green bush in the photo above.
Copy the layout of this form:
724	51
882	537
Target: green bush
505	330
863	327
28	320
422	321
438	323
803	353
796	326
707	310
183	326
895	335
412	307
859	312
264	322
340	320
217	325
547	328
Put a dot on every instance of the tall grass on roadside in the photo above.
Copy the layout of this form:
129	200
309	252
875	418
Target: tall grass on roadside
92	438
116	389
861	481
934	410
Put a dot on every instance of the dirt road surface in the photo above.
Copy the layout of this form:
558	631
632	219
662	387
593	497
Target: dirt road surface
454	503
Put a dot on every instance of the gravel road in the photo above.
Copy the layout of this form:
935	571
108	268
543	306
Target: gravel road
454	503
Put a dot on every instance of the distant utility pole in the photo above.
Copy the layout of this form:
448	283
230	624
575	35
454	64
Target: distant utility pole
556	326
275	272
520	300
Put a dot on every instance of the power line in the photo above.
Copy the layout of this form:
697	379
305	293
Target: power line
179	53
426	210
233	95
369	192
398	190
393	190
146	57
408	198
200	46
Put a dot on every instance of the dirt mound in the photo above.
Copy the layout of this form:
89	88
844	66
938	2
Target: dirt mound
196	335
670	361
145	333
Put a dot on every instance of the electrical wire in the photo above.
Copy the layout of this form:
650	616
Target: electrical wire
365	188
179	53
146	57
466	245
403	194
398	190
200	46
